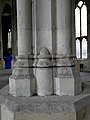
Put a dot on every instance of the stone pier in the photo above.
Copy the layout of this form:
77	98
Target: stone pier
43	25
44	86
67	81
22	81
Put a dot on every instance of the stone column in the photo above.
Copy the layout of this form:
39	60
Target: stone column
88	38
44	74
73	52
1	44
44	43
14	29
21	82
14	33
34	27
43	25
67	81
2	63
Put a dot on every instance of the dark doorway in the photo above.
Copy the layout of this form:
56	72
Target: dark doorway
6	28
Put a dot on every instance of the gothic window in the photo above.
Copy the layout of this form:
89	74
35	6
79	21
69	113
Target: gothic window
9	38
84	48
78	48
81	29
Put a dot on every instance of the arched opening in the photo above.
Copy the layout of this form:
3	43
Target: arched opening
78	48
84	48
6	30
6	35
81	28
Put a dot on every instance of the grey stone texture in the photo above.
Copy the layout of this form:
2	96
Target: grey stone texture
67	81
41	108
22	80
44	74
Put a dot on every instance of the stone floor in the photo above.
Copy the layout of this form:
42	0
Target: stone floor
4	75
85	76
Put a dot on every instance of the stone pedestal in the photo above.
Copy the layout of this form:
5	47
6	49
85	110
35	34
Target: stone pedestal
44	108
22	80
67	80
44	74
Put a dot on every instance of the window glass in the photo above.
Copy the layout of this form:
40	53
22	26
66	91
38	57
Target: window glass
84	20
77	48
77	21
81	29
84	48
80	3
9	38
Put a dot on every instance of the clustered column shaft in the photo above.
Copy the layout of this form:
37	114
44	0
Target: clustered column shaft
22	81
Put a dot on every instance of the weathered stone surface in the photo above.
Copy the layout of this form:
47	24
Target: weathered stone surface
67	85
22	81
44	24
67	80
44	73
42	108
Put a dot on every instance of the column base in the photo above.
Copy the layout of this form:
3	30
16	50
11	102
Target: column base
67	85
67	80
44	73
22	81
44	108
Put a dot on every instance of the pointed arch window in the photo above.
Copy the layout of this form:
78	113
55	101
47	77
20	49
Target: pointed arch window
81	29
78	48
9	38
84	48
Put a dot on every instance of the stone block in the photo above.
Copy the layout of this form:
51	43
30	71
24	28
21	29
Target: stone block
44	73
67	86
22	81
9	115
44	81
67	80
44	108
22	87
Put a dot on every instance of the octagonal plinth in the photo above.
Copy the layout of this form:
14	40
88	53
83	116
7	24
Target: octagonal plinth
22	80
44	108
